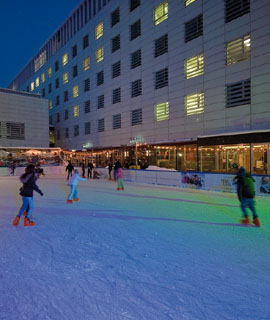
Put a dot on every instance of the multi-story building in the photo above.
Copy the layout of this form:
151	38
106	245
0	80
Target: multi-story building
186	80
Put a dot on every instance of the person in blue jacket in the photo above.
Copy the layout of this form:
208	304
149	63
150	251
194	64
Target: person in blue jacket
72	182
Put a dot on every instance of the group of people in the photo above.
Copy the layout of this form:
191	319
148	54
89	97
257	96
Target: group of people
243	180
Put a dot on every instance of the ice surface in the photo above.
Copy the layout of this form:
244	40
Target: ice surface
146	253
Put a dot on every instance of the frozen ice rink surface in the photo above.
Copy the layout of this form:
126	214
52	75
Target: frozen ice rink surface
146	253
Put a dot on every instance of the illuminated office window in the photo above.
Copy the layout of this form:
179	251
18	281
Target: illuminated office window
43	77
100	54
49	72
37	82
50	104
32	86
65	77
76	111
188	2
161	13
65	59
162	111
75	91
194	66
194	103
99	30
238	50
86	64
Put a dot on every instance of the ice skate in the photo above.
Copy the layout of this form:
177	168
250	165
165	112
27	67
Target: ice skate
256	222
76	199
28	222
16	221
245	220
69	201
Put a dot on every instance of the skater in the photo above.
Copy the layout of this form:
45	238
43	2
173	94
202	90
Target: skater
29	185
119	177
246	194
69	169
73	181
90	168
39	171
110	167
83	169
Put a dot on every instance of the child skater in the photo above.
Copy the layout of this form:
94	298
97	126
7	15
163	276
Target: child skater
119	177
29	185
72	182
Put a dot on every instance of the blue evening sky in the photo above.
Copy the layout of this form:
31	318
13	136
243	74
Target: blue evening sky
25	25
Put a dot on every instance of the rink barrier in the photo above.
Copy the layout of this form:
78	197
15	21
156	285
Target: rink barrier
196	180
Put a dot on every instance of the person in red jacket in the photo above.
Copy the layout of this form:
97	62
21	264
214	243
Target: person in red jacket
26	191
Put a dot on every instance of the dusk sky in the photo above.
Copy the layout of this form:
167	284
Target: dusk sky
24	27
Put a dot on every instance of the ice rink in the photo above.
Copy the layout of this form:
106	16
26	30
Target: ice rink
145	253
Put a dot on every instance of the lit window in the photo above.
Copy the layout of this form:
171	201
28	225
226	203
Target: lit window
65	59
86	63
100	54
32	86
50	104
194	66
43	77
49	72
99	30
65	77
76	111
188	2
194	103
238	50
75	91
161	13
162	111
37	82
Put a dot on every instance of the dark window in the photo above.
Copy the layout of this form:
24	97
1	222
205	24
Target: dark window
15	130
57	102
66	114
136	88
27	89
116	95
86	84
100	101
235	9
117	121
87	128
43	92
74	51
50	88
58	117
85	41
58	134
101	125
57	83
136	117
50	119
134	4
87	106
75	71
238	93
56	66
161	45
135	59
116	43
194	28
161	78
76	130
100	78
66	96
135	30
115	17
66	133
116	69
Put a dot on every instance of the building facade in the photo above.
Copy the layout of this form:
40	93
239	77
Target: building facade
186	81
24	121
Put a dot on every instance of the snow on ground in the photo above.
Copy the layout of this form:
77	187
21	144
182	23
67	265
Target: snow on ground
146	253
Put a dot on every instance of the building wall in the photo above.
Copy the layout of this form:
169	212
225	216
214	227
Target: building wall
215	119
27	109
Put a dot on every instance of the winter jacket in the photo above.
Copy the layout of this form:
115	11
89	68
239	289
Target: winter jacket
245	185
69	167
29	185
119	173
75	179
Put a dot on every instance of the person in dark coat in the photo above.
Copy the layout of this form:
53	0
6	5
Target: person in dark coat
83	169
110	167
90	168
26	191
69	169
246	195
